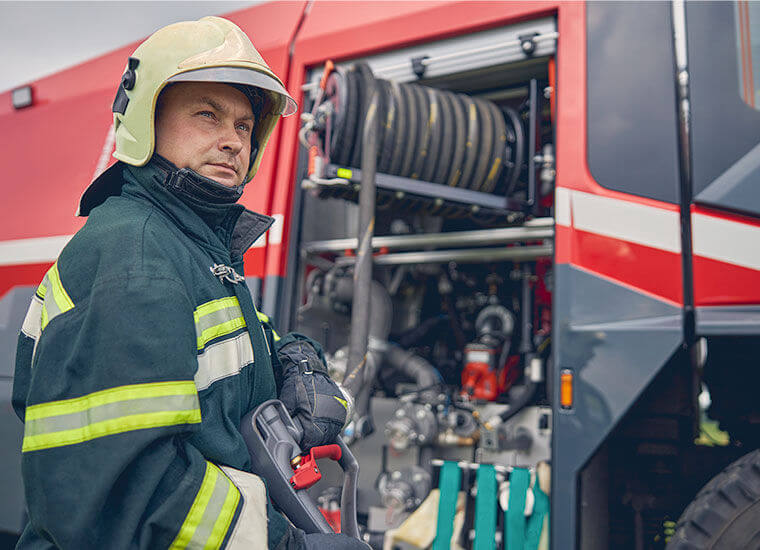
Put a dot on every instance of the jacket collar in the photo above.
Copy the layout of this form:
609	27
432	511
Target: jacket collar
200	207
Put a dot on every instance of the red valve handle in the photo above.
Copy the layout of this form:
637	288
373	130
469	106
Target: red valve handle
325	451
306	472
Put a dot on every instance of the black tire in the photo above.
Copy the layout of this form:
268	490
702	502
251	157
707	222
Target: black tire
725	515
412	110
486	145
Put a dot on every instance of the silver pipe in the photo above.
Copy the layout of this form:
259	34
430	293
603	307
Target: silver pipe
360	307
461	255
539	229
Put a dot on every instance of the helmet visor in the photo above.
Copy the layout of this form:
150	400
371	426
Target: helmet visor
236	75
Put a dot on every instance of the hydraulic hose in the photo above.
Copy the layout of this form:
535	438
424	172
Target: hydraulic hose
416	368
379	329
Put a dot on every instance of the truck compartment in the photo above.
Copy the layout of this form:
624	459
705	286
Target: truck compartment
460	300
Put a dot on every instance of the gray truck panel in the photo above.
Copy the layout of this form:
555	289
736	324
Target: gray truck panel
615	340
728	320
13	306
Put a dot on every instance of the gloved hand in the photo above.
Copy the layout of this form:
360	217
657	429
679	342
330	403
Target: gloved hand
310	395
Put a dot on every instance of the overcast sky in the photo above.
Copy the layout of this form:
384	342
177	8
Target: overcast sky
40	38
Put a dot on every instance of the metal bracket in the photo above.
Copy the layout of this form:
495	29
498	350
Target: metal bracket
419	65
528	43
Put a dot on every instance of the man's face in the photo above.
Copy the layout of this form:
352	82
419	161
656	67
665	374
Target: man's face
207	127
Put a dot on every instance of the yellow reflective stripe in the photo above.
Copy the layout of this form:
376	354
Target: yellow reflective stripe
224	520
42	290
110	427
265	318
44	317
209	518
194	516
60	295
220	330
215	305
217	318
111	395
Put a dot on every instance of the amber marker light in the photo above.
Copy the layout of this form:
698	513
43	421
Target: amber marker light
566	388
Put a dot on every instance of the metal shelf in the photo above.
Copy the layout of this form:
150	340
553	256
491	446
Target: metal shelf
535	230
460	255
435	191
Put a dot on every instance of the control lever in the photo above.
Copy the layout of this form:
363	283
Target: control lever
271	436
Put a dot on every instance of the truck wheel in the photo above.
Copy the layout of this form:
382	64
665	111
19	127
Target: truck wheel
725	515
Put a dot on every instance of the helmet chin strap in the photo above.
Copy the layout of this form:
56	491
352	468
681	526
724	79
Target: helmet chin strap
254	154
188	182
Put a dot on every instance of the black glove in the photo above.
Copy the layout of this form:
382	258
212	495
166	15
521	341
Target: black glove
310	395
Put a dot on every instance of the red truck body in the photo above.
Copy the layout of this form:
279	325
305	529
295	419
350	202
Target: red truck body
631	241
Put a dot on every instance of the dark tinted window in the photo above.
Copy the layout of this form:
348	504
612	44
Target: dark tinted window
632	131
723	60
747	33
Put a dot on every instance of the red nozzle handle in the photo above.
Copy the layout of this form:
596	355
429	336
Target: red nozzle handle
326	451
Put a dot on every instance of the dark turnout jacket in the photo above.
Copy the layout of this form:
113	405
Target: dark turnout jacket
140	353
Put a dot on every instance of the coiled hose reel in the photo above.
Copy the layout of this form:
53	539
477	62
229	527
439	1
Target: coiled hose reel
425	133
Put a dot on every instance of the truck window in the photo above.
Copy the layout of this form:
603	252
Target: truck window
747	26
724	86
632	139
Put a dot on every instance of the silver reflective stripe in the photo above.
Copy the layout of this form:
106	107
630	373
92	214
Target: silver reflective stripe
109	411
211	514
33	321
217	318
51	306
251	528
223	359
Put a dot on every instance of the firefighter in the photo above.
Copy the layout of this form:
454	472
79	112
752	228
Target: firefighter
142	349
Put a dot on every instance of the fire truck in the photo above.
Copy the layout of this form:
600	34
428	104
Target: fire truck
535	223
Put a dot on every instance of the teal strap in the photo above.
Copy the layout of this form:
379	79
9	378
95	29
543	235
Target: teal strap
536	520
485	509
448	485
514	517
